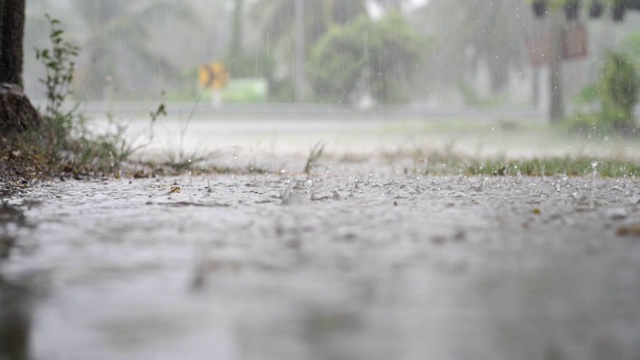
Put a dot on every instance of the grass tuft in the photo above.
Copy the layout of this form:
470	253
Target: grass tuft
314	155
581	166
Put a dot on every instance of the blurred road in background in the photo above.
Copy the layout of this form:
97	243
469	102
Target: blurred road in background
307	111
290	130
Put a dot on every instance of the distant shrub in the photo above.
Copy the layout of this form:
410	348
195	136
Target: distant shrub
379	57
608	106
620	86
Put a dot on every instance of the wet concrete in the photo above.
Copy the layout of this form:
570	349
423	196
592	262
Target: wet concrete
341	265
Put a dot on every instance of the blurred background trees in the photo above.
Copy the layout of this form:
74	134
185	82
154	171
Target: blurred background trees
453	53
275	20
118	59
475	37
367	58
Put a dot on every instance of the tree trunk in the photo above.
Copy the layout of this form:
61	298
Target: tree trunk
16	112
556	104
236	32
12	14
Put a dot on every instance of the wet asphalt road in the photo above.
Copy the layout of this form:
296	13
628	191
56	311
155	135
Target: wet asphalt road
366	263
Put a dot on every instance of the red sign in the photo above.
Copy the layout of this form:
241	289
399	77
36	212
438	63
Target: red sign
574	46
575	43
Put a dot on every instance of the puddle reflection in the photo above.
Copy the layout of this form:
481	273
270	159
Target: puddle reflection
15	320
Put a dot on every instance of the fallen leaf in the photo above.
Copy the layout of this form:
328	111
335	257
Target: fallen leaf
629	230
174	189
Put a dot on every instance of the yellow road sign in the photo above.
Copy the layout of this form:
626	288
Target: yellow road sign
213	76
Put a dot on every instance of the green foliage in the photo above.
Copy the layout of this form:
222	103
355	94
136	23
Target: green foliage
449	163
587	118
161	110
59	64
589	94
383	55
631	48
275	18
64	143
275	21
314	155
608	106
620	86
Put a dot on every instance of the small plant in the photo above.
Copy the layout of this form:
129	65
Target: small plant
154	115
176	156
314	155
60	67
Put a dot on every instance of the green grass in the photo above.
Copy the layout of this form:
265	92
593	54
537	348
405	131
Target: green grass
553	166
440	164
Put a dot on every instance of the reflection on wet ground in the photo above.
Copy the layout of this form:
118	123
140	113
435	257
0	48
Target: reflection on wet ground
379	266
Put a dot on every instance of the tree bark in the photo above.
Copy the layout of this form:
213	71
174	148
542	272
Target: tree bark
12	13
17	114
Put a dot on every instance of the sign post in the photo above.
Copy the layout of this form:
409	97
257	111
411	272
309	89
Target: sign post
213	76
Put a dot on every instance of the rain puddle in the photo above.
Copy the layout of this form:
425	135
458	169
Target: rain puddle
373	266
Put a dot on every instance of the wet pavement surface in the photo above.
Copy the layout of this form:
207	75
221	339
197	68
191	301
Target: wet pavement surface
372	265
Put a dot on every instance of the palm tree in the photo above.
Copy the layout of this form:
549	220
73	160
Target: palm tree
275	18
116	54
276	22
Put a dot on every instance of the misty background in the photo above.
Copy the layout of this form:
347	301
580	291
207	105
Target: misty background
433	53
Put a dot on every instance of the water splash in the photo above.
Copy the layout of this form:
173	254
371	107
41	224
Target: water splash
417	181
209	188
594	174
